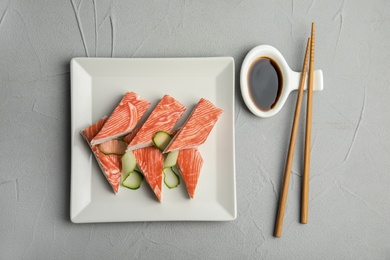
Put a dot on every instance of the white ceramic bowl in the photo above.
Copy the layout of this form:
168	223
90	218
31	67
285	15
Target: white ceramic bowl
290	79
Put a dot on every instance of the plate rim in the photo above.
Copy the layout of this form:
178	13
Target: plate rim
73	216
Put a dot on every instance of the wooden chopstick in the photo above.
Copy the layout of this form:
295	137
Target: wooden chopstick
306	169
286	180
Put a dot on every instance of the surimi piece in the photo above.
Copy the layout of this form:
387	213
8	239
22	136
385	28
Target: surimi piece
190	162
131	135
150	160
123	119
163	118
109	164
121	122
90	132
197	128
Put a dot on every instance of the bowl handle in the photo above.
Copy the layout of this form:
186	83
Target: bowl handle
318	80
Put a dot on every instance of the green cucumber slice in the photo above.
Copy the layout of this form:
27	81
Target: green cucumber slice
171	159
161	139
171	179
113	146
128	163
133	180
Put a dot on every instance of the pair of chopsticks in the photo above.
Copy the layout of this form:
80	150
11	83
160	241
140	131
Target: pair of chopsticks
305	177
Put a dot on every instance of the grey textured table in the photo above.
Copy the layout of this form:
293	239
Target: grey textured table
349	187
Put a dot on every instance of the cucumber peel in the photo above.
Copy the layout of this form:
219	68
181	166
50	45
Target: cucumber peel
171	179
161	139
171	159
113	146
133	180
128	162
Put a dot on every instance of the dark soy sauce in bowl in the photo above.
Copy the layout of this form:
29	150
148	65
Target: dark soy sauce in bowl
265	83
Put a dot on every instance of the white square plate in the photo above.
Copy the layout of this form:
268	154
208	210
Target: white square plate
98	84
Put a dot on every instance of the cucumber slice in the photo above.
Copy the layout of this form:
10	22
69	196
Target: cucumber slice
113	146
171	159
128	163
161	139
171	179
133	180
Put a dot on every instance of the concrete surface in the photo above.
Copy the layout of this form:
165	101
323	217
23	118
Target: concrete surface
349	187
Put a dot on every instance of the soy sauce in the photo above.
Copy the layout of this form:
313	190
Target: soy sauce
265	83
